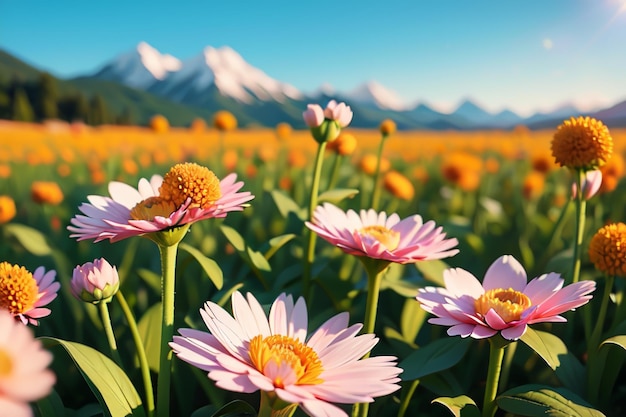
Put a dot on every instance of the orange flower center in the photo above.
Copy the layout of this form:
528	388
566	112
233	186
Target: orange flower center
284	350
18	289
151	207
509	304
388	238
6	364
193	181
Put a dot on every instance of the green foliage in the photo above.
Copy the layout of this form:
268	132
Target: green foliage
110	385
22	110
539	401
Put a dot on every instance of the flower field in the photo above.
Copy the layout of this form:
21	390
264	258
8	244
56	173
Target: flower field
223	271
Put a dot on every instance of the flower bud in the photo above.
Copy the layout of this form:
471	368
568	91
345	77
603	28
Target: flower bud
341	113
313	116
95	281
591	184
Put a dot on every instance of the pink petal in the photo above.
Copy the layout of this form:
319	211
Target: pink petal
506	272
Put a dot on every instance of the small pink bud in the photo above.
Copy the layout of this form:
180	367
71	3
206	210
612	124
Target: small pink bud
591	184
95	281
341	113
313	115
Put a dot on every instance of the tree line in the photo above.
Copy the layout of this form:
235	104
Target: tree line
39	100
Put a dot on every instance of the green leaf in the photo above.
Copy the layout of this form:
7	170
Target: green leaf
234	238
616	340
211	267
286	205
50	406
434	357
567	367
461	406
539	401
277	243
258	260
107	381
413	317
151	278
337	195
149	327
546	345
31	239
432	270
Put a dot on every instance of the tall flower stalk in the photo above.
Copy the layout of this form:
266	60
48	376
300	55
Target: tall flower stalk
582	144
325	125
141	353
168	291
387	127
496	354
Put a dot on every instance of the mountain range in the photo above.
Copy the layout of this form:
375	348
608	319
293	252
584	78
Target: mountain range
149	82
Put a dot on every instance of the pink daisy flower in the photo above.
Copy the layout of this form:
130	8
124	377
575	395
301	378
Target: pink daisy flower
188	193
505	302
24	295
251	351
24	376
378	236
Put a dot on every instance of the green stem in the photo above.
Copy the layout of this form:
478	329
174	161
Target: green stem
594	370
407	394
310	247
376	190
141	352
556	232
496	354
581	205
506	365
334	176
272	406
168	279
108	329
375	269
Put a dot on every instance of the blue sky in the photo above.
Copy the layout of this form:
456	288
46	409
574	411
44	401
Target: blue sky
524	55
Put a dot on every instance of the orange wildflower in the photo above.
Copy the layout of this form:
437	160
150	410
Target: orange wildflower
398	185
369	161
7	209
198	125
582	143
46	192
344	145
533	185
387	127
159	123
607	249
224	120
229	159
283	130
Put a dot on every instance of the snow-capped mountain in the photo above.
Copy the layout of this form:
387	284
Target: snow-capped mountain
227	71
221	78
376	95
139	68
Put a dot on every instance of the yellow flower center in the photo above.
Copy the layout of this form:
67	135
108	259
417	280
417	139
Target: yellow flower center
509	304
388	238
607	249
6	364
193	181
285	350
18	289
151	207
